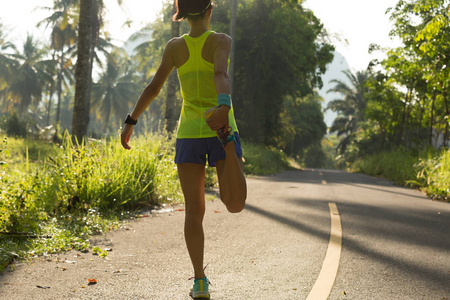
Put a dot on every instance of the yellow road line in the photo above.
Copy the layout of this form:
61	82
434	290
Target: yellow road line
327	275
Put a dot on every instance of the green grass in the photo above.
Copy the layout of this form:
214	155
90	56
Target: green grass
433	175
397	165
54	197
71	192
428	170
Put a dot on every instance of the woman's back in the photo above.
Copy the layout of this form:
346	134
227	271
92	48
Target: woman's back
194	59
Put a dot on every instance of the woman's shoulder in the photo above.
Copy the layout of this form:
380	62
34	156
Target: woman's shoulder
173	42
221	37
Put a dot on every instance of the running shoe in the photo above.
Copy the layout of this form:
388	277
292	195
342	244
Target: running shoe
200	289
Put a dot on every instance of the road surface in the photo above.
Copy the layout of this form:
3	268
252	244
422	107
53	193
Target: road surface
370	238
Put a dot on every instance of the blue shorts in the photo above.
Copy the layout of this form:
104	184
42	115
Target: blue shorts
195	150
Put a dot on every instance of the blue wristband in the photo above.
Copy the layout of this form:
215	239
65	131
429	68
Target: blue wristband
224	99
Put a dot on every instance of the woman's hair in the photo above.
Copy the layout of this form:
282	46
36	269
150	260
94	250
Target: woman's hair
191	9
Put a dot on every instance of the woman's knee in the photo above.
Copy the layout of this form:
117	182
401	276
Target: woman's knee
195	211
235	207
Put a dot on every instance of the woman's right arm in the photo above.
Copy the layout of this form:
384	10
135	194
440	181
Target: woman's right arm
150	92
222	48
221	54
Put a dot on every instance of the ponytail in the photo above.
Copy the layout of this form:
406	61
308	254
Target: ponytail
191	9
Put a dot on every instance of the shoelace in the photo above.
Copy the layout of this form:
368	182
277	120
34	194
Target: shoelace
193	277
223	134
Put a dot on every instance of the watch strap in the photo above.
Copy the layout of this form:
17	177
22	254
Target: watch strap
129	120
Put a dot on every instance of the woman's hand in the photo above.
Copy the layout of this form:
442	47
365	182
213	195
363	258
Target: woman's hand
125	136
218	119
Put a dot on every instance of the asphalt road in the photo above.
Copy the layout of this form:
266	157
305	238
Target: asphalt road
395	245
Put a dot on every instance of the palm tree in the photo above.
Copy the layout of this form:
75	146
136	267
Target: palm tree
6	63
63	37
83	73
89	25
350	108
116	88
31	75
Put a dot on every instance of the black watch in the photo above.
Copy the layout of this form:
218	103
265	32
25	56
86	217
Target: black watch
130	120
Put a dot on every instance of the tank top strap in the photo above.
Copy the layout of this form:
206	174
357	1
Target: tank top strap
195	45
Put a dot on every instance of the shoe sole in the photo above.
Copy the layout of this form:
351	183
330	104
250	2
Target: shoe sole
199	296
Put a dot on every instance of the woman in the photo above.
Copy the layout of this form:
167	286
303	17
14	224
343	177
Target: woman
207	128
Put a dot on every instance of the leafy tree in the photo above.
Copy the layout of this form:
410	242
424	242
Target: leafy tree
279	53
424	28
351	108
383	112
303	124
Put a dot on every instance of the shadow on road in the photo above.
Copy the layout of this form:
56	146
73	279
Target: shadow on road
408	227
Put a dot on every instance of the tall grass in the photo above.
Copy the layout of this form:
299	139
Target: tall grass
53	197
428	169
104	176
434	175
397	165
78	190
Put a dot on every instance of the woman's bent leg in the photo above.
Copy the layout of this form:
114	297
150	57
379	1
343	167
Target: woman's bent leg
192	178
232	183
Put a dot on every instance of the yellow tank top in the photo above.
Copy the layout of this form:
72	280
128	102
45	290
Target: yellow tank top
198	91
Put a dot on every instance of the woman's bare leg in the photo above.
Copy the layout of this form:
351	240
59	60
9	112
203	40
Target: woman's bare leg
232	183
192	178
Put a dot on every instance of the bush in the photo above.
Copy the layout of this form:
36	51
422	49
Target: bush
13	126
428	170
260	160
397	165
433	175
316	157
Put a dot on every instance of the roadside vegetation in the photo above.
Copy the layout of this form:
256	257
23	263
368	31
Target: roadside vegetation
55	196
427	170
394	117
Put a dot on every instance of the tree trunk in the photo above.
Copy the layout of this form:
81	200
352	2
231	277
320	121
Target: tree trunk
172	83
59	87
49	103
431	118
402	125
447	115
408	122
80	120
419	130
233	45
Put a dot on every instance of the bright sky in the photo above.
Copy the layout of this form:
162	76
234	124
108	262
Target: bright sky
360	22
